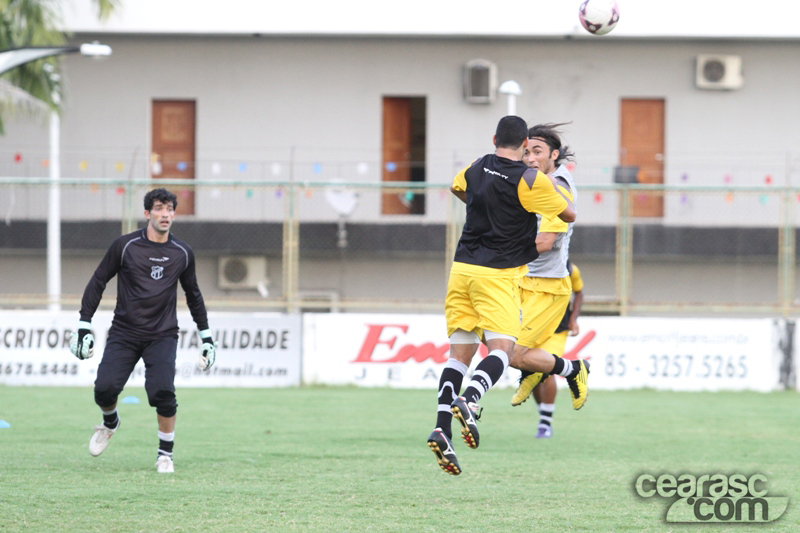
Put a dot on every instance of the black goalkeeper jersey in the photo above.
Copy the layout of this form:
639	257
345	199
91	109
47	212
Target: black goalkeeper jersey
147	277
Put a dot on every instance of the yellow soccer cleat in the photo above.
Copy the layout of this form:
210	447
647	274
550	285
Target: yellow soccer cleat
579	385
527	383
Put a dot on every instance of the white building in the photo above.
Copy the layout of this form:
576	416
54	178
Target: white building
354	91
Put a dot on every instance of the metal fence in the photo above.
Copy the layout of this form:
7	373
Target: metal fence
329	245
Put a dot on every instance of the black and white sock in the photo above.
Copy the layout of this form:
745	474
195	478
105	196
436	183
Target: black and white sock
165	443
110	418
487	373
546	411
449	388
564	367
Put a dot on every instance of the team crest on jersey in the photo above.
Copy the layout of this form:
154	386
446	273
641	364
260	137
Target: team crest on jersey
156	271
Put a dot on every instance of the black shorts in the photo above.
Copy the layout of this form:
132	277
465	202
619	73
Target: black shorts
121	355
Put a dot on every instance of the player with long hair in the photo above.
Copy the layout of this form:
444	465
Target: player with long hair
546	288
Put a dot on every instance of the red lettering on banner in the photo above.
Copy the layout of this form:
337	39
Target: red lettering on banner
421	353
408	352
373	339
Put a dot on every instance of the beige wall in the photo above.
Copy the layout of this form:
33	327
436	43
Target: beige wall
299	101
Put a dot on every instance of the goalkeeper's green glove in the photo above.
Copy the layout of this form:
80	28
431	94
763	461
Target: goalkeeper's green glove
208	351
81	344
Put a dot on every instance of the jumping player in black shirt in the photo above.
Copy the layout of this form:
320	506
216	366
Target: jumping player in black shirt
503	197
148	264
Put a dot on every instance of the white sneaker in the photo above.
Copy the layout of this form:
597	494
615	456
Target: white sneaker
164	465
99	440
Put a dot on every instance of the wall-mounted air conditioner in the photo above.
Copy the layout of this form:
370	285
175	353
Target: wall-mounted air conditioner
720	72
480	81
242	272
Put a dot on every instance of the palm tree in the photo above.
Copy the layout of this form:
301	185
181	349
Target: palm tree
35	23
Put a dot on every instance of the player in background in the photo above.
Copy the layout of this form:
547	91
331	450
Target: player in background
502	196
545	392
546	288
148	264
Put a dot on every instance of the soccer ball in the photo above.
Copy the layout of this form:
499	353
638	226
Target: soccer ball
599	16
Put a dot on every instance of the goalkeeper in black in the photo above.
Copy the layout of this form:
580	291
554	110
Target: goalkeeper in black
148	264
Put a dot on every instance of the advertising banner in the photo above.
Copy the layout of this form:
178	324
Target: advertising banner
409	351
255	350
679	353
379	350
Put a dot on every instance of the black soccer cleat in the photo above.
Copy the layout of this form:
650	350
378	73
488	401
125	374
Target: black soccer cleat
445	455
468	414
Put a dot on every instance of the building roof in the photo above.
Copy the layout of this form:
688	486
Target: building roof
711	19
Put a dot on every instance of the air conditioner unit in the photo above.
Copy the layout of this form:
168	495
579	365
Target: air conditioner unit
480	81
242	272
720	72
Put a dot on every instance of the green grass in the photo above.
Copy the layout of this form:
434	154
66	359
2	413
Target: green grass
344	459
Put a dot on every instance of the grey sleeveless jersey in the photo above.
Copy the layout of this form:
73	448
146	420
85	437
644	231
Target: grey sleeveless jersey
553	264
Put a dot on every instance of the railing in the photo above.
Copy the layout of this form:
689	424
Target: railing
726	249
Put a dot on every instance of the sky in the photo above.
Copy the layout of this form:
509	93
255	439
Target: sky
538	18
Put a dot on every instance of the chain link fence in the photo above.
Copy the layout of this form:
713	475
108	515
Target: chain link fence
335	245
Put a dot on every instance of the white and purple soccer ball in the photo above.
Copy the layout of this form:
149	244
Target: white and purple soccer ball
599	16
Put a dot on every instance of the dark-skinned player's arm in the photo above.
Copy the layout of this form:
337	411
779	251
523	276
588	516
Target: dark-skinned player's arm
577	288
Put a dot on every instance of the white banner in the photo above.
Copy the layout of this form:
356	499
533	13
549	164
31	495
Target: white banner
678	353
663	353
263	350
255	350
379	350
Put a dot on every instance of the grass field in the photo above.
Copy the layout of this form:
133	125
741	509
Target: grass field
345	459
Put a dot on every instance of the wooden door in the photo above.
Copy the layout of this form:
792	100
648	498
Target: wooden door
396	152
642	145
173	154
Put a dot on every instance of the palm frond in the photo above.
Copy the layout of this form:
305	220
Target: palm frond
36	23
105	8
15	100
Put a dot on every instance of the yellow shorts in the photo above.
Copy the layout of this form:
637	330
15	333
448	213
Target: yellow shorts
476	303
541	314
555	343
